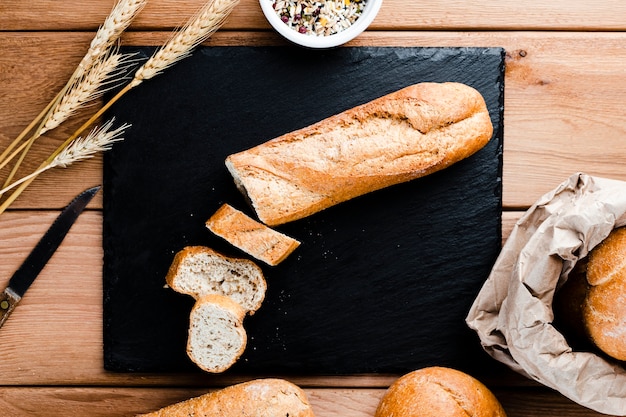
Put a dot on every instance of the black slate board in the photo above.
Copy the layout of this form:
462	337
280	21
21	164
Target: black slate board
381	283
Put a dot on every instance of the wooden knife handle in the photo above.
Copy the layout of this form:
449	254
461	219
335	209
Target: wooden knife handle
8	301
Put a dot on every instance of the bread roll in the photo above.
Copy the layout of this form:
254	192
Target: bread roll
252	237
217	337
404	135
256	398
438	392
200	271
604	308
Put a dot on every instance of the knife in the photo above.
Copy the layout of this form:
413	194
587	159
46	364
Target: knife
37	259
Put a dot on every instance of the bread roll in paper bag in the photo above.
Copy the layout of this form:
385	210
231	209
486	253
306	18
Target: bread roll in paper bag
513	314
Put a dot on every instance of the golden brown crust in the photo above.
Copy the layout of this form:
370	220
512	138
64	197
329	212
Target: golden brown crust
252	237
260	397
404	135
604	309
438	392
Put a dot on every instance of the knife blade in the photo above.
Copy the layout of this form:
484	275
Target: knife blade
42	252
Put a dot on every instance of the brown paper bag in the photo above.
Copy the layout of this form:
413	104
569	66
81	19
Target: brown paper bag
513	313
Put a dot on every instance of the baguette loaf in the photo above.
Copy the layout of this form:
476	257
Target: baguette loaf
604	307
404	135
216	335
438	392
252	237
256	398
200	271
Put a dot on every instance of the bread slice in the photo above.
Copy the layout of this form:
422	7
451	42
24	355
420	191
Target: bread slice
200	271
404	135
216	335
252	237
260	397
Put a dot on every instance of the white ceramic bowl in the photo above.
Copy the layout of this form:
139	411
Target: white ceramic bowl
311	41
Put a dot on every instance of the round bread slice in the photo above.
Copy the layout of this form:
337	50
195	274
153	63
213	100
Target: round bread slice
604	308
438	392
216	337
200	271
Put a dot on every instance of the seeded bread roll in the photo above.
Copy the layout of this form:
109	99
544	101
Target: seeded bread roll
405	135
438	392
200	271
256	398
216	335
604	308
252	237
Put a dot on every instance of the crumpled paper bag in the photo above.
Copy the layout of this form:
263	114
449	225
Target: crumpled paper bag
513	314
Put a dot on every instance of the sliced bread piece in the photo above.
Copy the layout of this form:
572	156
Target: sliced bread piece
200	271
216	335
269	397
251	236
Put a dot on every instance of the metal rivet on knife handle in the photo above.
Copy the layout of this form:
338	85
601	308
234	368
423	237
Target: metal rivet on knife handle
8	301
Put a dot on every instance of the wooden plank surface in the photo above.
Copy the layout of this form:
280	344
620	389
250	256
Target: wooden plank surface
394	15
560	116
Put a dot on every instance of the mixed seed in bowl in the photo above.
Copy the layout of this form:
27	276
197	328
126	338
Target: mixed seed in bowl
320	18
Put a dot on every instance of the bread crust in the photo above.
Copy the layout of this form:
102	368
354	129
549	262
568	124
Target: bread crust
252	237
438	392
257	398
604	308
404	135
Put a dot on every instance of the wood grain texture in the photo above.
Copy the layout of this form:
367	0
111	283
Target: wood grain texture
394	15
560	116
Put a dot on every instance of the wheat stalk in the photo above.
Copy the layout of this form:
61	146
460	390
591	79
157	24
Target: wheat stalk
84	90
199	28
98	140
109	32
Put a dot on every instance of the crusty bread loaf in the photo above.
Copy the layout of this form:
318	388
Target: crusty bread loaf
216	335
252	237
256	398
200	271
604	308
404	135
438	392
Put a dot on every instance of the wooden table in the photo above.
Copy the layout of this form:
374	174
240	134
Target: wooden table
564	112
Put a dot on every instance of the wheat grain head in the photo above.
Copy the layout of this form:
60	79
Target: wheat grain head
100	139
115	23
105	73
200	27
